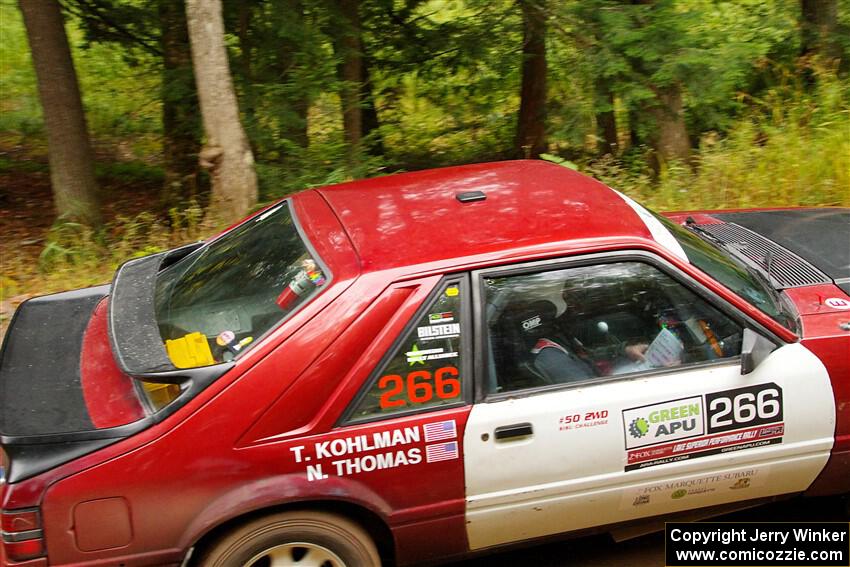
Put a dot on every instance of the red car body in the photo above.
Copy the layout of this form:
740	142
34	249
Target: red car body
231	452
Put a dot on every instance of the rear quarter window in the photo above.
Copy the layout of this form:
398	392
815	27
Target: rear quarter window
424	369
218	301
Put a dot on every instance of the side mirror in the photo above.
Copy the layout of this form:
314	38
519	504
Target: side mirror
754	350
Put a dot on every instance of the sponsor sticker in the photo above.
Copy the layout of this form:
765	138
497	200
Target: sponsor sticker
452	291
703	447
640	500
447	331
662	494
663	422
444	317
583	420
531	323
417	356
737	419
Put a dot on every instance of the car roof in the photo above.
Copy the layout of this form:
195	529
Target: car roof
416	218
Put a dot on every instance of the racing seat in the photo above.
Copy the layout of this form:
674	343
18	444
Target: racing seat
538	349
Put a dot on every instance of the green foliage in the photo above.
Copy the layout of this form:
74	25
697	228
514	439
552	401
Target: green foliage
75	255
710	49
12	166
559	160
768	127
120	94
790	149
130	172
315	166
282	63
448	80
19	108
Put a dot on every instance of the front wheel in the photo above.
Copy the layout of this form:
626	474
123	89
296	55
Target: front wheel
289	539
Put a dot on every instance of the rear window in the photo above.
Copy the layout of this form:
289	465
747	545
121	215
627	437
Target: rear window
218	301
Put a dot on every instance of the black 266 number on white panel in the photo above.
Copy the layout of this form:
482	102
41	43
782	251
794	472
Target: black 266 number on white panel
744	407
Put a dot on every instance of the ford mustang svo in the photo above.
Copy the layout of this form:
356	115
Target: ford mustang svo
419	367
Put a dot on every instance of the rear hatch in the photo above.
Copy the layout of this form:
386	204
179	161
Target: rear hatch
40	377
82	369
44	419
62	393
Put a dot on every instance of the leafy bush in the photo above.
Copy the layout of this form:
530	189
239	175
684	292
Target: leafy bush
791	149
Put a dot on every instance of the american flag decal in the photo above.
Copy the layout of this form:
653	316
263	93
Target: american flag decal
440	430
441	452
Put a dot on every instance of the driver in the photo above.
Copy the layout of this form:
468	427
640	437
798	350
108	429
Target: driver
581	320
551	355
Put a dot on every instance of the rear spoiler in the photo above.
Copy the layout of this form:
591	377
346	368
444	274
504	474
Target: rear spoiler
40	392
133	331
44	421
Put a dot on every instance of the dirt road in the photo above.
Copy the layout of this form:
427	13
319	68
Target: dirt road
648	551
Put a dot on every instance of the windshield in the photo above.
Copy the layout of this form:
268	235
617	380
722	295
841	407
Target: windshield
219	300
731	272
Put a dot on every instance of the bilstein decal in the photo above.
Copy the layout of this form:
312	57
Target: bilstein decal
447	331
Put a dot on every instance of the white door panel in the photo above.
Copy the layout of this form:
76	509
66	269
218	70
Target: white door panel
571	472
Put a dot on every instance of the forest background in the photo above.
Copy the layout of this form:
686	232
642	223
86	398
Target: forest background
681	104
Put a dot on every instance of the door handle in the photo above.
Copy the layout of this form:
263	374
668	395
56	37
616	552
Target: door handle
515	430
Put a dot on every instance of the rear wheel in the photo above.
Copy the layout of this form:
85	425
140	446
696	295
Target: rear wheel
290	539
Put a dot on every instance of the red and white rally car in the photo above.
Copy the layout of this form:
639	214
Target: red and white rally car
416	367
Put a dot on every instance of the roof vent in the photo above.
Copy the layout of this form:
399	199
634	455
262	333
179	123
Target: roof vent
471	196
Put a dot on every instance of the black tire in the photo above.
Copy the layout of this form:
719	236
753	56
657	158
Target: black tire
294	538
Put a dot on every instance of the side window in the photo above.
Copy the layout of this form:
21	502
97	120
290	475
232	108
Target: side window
575	324
424	369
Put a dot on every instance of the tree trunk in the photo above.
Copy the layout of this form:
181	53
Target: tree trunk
671	140
348	48
226	153
294	125
68	145
246	71
371	124
817	27
181	121
531	125
606	121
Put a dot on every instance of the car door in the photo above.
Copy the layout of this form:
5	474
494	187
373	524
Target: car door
640	407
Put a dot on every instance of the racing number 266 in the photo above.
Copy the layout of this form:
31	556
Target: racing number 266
420	390
744	407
